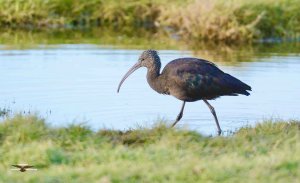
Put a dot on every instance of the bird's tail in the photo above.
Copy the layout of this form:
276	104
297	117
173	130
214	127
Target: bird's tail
236	86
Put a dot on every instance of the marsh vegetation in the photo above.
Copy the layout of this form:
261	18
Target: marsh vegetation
266	152
233	21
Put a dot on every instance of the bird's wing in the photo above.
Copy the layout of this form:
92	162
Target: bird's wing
17	166
202	78
193	73
195	82
28	166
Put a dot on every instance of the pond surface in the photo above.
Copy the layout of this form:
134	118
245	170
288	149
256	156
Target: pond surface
75	83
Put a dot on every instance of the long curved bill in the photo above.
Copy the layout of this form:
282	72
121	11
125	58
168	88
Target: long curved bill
131	70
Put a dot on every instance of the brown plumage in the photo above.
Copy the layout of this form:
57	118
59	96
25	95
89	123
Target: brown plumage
22	167
189	80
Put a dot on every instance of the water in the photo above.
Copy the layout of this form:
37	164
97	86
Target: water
77	83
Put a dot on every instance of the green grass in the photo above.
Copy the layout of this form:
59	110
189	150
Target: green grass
268	152
229	21
235	20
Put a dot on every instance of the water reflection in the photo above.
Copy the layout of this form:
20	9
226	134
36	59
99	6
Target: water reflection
232	54
78	83
12	39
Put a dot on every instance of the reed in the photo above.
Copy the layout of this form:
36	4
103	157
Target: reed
226	21
233	21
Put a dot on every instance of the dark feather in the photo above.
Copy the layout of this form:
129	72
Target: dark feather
17	166
28	166
193	79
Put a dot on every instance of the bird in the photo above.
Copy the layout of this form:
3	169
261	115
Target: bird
188	79
23	167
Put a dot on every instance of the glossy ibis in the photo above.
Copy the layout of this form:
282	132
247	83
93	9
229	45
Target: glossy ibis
189	80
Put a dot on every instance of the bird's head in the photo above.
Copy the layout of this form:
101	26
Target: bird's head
148	58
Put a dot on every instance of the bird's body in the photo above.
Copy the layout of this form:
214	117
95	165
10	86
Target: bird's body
23	167
192	79
189	80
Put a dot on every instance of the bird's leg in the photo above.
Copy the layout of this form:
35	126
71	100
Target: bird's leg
179	115
212	110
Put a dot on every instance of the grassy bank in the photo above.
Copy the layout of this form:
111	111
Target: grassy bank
268	152
230	21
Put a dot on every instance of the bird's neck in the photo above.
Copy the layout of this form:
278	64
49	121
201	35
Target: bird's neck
155	80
